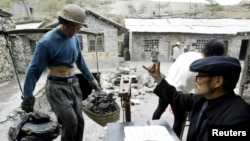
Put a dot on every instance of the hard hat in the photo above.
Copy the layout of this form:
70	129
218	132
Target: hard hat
73	13
177	43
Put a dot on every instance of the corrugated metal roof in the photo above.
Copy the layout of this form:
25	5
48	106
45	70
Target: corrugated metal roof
180	25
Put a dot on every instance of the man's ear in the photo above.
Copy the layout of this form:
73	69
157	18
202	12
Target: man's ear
218	81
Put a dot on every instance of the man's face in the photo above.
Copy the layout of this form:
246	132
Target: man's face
203	84
72	29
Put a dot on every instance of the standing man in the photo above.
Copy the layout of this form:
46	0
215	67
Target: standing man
176	51
180	77
185	48
58	51
214	103
193	47
154	54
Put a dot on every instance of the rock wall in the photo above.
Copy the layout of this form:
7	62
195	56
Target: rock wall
23	47
29	45
17	55
245	78
7	23
6	67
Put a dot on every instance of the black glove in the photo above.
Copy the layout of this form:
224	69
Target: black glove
94	84
28	104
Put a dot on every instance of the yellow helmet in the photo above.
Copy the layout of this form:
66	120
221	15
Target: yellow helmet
73	13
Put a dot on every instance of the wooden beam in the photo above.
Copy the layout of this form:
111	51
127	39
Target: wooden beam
40	30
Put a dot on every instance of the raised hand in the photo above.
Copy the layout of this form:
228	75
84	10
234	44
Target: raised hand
154	71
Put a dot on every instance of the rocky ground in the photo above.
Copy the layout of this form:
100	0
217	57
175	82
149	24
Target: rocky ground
142	109
144	101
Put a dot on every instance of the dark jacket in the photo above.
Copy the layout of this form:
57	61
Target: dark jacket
229	109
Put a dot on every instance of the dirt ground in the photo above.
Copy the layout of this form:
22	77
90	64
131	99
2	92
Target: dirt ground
10	106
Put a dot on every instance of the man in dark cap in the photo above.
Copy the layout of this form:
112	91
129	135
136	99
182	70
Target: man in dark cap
214	102
181	78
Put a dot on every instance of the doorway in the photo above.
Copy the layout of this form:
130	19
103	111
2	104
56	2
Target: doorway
243	49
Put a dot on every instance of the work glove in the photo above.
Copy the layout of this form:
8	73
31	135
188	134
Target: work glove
95	85
28	104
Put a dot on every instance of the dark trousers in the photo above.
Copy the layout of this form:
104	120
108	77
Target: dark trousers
66	101
179	115
161	107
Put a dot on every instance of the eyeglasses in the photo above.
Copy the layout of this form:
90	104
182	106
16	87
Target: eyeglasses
205	75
